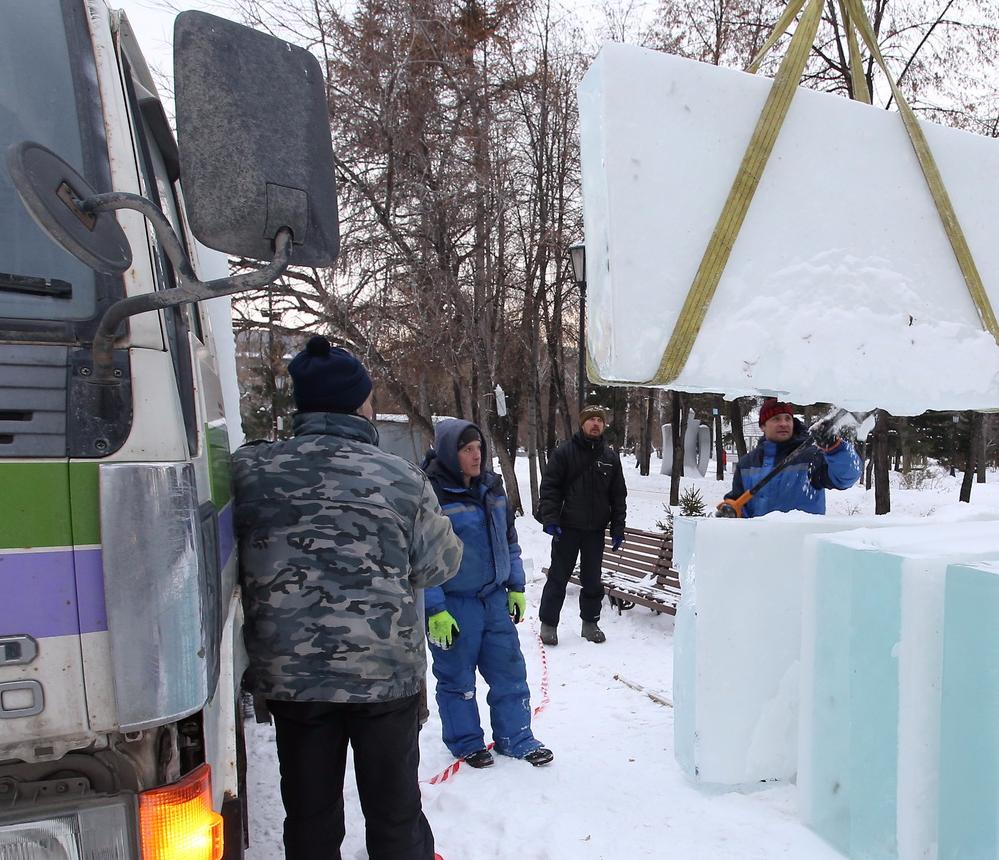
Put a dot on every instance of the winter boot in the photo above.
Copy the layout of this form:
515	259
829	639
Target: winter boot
479	758
592	633
549	634
540	756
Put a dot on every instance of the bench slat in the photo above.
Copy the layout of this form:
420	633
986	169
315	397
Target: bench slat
640	572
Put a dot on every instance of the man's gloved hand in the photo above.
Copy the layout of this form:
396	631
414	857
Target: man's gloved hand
553	530
616	541
825	436
443	629
516	604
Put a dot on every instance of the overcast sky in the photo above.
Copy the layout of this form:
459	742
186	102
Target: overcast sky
152	21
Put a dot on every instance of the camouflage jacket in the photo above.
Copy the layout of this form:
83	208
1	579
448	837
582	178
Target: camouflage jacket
334	535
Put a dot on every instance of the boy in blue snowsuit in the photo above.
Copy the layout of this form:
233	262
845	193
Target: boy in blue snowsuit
828	464
470	619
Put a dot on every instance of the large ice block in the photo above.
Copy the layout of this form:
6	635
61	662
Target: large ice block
841	286
873	626
737	641
969	716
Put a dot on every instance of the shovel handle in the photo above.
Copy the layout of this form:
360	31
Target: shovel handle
733	508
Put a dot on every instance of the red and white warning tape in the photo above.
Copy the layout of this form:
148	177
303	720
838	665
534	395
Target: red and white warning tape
455	766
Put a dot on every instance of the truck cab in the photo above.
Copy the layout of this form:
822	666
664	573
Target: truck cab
120	623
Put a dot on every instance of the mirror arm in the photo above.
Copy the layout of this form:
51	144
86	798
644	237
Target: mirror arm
191	289
164	229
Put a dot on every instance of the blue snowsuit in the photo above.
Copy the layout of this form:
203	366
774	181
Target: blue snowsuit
477	598
802	485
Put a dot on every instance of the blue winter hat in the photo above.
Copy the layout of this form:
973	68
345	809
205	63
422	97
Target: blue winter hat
328	378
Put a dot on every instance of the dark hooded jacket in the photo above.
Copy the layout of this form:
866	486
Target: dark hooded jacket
802	484
481	517
593	500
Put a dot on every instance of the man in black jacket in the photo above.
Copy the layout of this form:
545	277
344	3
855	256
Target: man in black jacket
582	492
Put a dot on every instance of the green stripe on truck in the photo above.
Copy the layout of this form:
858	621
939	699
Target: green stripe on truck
37	511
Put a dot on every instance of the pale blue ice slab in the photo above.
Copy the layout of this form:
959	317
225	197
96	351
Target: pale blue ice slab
853	773
684	649
969	717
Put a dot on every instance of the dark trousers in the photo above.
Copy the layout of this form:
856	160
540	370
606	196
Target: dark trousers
589	546
312	740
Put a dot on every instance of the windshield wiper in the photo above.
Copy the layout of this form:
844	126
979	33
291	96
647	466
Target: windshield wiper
51	287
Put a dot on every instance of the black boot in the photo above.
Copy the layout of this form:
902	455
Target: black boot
540	756
549	634
479	758
592	633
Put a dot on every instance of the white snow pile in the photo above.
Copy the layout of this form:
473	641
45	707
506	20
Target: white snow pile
841	286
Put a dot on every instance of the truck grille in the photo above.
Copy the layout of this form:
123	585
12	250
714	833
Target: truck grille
33	380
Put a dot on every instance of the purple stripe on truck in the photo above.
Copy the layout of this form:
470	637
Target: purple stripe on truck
42	594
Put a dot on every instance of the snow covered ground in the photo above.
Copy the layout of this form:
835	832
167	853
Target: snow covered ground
614	790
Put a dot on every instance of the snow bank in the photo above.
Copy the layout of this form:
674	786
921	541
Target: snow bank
841	286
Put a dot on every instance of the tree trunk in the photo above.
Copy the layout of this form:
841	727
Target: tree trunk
976	433
648	428
982	455
679	426
533	434
905	441
735	417
627	422
952	444
719	446
880	460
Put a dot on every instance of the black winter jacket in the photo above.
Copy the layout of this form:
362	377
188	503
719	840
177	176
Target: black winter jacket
594	499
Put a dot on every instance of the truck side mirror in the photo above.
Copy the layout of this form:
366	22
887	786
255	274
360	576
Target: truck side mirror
255	148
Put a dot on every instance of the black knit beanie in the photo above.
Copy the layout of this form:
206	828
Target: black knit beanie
328	378
469	434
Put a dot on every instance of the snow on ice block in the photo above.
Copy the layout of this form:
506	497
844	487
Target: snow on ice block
842	250
872	651
969	716
737	642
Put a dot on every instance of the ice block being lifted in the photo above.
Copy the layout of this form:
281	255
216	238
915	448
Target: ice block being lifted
841	286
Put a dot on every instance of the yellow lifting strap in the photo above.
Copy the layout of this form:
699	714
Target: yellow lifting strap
726	231
933	179
758	152
858	79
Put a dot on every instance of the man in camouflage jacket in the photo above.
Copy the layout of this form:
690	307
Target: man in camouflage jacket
334	536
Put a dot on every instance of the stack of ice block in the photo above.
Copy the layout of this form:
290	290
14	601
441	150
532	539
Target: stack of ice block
737	643
875	630
969	716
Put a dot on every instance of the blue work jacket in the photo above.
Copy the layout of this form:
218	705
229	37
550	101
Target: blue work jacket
482	519
802	484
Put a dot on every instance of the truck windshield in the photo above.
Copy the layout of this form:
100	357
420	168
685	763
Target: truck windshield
38	280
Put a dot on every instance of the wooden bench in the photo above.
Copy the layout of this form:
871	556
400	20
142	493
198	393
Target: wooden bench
640	572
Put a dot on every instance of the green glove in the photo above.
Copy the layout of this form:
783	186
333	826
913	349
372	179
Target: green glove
443	629
516	604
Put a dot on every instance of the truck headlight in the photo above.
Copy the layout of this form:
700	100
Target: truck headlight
92	833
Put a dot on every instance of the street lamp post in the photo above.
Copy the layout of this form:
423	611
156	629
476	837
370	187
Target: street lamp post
577	255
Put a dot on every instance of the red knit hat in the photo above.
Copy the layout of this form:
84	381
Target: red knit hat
772	406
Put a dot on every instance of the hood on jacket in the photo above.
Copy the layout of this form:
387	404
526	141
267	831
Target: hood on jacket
445	450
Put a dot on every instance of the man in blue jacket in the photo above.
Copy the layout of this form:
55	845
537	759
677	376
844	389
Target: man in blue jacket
470	618
829	464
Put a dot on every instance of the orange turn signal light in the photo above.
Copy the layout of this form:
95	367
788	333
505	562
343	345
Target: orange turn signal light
177	822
